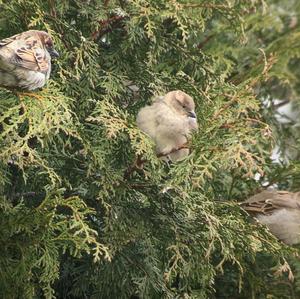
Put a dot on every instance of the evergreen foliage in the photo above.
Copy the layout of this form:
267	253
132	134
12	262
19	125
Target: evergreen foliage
79	217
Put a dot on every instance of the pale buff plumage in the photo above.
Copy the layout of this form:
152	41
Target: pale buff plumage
25	60
169	121
279	211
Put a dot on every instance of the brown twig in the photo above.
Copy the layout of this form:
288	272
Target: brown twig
205	41
137	165
141	186
226	106
106	3
139	162
227	126
52	8
107	26
196	5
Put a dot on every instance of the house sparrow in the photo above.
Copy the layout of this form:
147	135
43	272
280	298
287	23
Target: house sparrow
25	60
279	211
169	121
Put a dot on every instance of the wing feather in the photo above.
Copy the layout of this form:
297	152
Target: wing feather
9	40
32	56
27	51
267	201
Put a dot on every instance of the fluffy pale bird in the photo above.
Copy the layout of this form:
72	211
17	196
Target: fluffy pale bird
279	211
25	60
169	121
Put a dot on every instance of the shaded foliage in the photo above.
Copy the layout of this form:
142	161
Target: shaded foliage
78	219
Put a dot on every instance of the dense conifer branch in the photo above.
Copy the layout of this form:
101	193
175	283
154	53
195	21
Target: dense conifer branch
88	210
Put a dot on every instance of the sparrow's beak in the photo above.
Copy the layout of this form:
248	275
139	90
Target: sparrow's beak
192	114
53	53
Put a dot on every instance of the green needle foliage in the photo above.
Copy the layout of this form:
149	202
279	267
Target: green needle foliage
87	210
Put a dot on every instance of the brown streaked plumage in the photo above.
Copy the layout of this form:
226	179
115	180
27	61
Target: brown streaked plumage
169	121
279	211
25	60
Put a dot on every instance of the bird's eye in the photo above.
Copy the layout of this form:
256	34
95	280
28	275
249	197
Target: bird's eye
183	106
49	43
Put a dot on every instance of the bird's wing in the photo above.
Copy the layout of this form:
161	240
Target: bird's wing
284	224
286	199
146	120
9	40
28	52
266	201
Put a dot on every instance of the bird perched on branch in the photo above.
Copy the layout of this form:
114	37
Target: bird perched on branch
279	211
169	121
25	60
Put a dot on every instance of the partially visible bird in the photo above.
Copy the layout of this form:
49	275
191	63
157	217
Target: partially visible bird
279	211
25	60
169	121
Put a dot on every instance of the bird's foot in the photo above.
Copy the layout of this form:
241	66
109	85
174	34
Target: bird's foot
170	150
